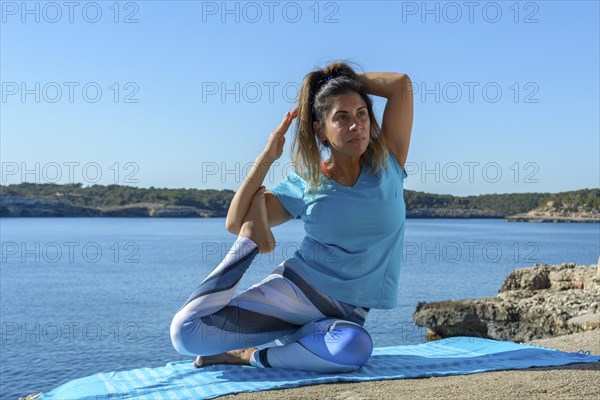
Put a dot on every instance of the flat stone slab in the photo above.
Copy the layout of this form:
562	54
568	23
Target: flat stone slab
586	321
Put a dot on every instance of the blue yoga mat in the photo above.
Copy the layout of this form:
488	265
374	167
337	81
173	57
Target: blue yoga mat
451	356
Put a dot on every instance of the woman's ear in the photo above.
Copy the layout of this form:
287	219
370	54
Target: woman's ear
319	131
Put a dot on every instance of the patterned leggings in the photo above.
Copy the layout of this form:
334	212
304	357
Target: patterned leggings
298	326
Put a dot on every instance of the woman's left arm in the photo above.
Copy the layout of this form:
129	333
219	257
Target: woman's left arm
398	113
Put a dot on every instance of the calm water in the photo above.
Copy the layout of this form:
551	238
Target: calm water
84	295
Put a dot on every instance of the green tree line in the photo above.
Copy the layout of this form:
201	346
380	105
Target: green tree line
219	200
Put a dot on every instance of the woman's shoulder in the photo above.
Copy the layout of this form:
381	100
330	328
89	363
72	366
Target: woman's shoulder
392	161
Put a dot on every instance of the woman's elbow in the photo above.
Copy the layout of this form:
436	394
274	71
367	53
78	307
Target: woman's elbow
232	227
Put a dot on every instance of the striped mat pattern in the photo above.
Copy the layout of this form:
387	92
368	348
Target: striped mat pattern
180	380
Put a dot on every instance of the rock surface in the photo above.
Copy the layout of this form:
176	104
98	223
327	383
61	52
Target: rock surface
555	211
12	206
539	217
533	303
16	206
452	213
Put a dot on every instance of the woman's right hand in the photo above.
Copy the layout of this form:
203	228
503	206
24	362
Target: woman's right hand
274	148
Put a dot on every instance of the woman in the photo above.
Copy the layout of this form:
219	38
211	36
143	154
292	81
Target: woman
309	313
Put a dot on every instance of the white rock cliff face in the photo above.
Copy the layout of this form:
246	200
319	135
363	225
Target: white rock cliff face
533	303
558	212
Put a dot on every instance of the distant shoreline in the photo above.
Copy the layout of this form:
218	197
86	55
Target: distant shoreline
13	207
205	214
525	218
73	200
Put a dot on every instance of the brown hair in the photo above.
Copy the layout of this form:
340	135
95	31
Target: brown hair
317	98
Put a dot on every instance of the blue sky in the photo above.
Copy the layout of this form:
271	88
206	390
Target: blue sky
506	92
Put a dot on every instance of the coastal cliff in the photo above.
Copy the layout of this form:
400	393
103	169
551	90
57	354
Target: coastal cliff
557	211
74	200
14	206
533	303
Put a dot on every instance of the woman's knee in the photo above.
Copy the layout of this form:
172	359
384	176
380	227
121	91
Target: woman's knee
342	342
195	335
190	336
180	326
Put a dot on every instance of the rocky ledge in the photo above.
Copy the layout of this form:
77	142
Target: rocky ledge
12	206
555	211
452	213
533	303
549	217
16	206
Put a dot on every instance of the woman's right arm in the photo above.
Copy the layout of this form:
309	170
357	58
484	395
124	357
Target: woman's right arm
240	204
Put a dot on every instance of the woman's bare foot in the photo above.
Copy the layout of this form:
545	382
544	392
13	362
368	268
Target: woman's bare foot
234	357
256	224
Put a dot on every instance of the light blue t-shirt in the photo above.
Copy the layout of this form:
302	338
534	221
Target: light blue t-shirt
352	249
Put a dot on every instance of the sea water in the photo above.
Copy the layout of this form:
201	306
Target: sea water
85	295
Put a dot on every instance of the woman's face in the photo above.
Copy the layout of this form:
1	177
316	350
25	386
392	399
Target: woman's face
347	127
